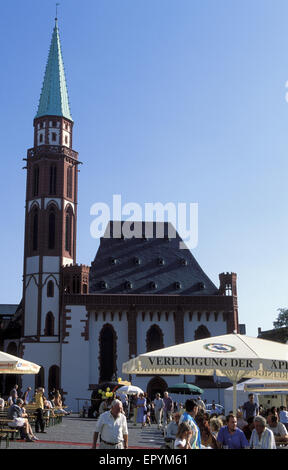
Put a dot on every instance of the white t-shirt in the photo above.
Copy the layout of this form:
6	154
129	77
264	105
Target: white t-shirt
182	442
112	430
158	403
279	430
2	403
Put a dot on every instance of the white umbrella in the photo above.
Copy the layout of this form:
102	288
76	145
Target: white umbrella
15	365
129	389
234	356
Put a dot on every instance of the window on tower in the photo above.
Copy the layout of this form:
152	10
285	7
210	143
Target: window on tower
49	324
69	181
35	230
53	179
50	289
54	136
68	231
52	229
35	190
40	138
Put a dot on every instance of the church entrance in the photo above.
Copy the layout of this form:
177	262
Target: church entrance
156	385
108	348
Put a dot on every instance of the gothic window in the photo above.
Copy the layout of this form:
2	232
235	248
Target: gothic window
39	378
49	324
76	285
35	190
51	229
54	378
69	181
154	338
108	353
50	289
53	179
35	230
68	231
202	332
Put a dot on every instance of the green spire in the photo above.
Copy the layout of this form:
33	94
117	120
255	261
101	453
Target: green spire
54	96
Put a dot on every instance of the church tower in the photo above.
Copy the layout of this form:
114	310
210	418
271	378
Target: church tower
51	214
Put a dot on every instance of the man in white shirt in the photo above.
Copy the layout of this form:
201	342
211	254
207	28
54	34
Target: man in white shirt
262	437
112	427
278	429
158	405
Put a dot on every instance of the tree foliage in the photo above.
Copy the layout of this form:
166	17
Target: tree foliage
282	319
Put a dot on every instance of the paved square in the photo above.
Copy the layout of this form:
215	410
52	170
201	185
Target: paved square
77	433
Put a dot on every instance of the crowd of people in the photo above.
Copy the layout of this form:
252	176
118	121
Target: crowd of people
191	426
17	403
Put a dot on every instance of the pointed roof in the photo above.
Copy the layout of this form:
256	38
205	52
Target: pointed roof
141	265
54	96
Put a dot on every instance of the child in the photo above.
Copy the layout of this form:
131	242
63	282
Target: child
183	437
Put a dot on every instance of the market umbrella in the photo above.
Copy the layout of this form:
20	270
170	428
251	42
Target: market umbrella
186	389
233	356
15	365
129	389
262	386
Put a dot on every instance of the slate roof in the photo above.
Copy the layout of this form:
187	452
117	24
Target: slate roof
147	266
54	96
8	309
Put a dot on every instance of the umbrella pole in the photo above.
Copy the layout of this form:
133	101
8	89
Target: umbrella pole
234	397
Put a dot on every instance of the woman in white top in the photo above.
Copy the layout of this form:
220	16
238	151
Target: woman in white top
183	436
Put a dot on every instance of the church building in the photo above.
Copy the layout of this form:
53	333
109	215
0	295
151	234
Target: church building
81	323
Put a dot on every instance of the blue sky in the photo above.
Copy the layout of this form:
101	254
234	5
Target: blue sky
173	101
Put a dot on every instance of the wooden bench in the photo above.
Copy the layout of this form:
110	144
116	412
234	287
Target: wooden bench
5	433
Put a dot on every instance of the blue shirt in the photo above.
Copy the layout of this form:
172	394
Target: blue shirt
237	440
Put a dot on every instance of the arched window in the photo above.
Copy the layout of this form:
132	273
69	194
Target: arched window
49	324
68	231
35	190
202	332
69	181
54	378
53	179
50	289
76	285
51	229
156	385
108	353
35	230
39	378
12	348
154	338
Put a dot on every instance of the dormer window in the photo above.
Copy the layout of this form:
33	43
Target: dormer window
201	285
137	261
128	285
184	262
161	261
113	260
177	285
153	285
103	285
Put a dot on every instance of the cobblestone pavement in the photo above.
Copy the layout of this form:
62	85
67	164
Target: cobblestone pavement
77	433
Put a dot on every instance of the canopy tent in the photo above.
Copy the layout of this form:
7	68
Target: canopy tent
14	365
233	356
265	386
186	389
